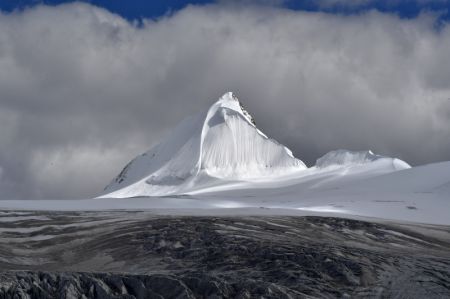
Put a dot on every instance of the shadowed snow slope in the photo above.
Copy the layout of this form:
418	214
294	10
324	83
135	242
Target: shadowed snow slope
220	144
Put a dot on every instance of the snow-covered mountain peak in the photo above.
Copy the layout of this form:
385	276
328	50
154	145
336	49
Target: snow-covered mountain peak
221	147
220	144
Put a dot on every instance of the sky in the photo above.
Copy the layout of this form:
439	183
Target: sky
86	86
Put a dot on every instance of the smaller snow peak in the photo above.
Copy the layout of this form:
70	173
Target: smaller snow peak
348	158
345	157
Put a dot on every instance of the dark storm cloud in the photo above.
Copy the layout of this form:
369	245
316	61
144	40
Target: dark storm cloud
82	91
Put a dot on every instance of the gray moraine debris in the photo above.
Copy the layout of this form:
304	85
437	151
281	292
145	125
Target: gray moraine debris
139	255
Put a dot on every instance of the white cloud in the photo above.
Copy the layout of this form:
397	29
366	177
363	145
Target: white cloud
82	91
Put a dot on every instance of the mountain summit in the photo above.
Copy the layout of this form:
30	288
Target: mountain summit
221	143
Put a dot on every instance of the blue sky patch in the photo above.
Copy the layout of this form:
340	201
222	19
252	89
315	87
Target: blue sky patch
138	9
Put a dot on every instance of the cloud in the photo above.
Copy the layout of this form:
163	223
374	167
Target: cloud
356	4
82	91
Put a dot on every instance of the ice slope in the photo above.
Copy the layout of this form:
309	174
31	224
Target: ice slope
375	189
219	145
426	179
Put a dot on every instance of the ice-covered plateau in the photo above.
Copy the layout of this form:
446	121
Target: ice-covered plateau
223	147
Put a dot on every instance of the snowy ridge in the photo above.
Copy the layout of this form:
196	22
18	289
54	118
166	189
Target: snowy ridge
222	143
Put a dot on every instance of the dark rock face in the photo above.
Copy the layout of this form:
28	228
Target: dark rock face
139	255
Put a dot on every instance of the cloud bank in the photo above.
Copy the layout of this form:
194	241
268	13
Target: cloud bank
82	91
